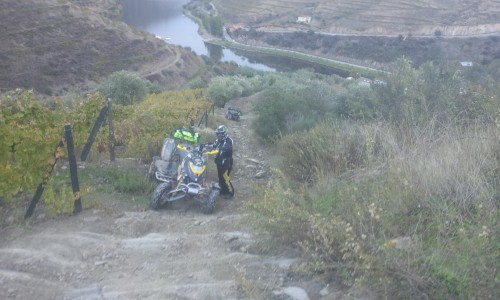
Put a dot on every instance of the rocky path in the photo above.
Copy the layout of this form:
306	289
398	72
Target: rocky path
120	251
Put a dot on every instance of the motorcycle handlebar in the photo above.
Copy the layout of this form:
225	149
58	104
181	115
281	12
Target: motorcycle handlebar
201	149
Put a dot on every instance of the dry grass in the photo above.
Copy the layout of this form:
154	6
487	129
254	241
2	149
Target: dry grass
454	165
413	214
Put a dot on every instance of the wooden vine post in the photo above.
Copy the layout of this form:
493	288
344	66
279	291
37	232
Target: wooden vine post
111	131
73	168
204	117
97	125
41	186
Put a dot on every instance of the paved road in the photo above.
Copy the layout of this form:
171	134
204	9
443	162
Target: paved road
389	35
228	38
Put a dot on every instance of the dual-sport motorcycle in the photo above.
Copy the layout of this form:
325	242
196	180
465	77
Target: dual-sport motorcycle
181	171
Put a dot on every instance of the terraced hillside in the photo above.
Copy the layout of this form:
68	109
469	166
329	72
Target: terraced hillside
418	17
54	46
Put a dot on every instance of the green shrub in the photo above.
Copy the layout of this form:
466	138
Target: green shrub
280	210
224	88
432	93
336	148
125	88
58	195
130	182
122	179
357	102
293	103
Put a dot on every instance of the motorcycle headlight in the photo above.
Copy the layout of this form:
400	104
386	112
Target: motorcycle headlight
197	169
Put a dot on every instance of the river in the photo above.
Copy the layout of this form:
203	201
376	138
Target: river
165	19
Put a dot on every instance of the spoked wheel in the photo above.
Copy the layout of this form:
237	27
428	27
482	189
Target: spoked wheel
209	205
159	193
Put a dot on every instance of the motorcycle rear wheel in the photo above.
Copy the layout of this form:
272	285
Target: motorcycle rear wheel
158	193
209	205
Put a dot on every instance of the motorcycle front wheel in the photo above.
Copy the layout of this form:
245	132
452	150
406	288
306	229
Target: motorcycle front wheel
209	205
158	193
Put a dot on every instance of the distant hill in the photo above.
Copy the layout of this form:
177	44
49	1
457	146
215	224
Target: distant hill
418	17
372	33
54	46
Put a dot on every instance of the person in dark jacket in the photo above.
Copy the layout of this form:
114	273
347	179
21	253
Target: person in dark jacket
223	151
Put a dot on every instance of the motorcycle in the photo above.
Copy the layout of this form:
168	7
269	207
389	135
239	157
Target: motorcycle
233	114
182	173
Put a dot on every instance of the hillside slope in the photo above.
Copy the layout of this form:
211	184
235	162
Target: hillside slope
421	17
54	46
121	250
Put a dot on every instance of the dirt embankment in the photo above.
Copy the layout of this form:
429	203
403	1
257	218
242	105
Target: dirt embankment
58	46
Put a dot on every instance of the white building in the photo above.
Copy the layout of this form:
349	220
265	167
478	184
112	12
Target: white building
304	20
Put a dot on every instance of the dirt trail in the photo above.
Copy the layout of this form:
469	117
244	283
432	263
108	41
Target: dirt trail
120	251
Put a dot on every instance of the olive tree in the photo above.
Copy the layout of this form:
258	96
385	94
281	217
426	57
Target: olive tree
125	88
224	88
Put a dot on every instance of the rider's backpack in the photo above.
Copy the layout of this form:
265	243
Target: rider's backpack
186	135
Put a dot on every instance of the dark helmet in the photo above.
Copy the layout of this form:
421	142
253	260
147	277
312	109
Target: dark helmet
221	132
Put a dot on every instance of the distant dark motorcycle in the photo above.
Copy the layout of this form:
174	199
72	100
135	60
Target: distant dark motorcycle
182	173
233	114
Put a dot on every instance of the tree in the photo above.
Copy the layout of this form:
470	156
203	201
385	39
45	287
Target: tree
125	88
213	24
216	26
224	88
401	98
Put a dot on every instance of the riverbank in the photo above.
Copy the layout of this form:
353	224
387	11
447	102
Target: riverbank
346	68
